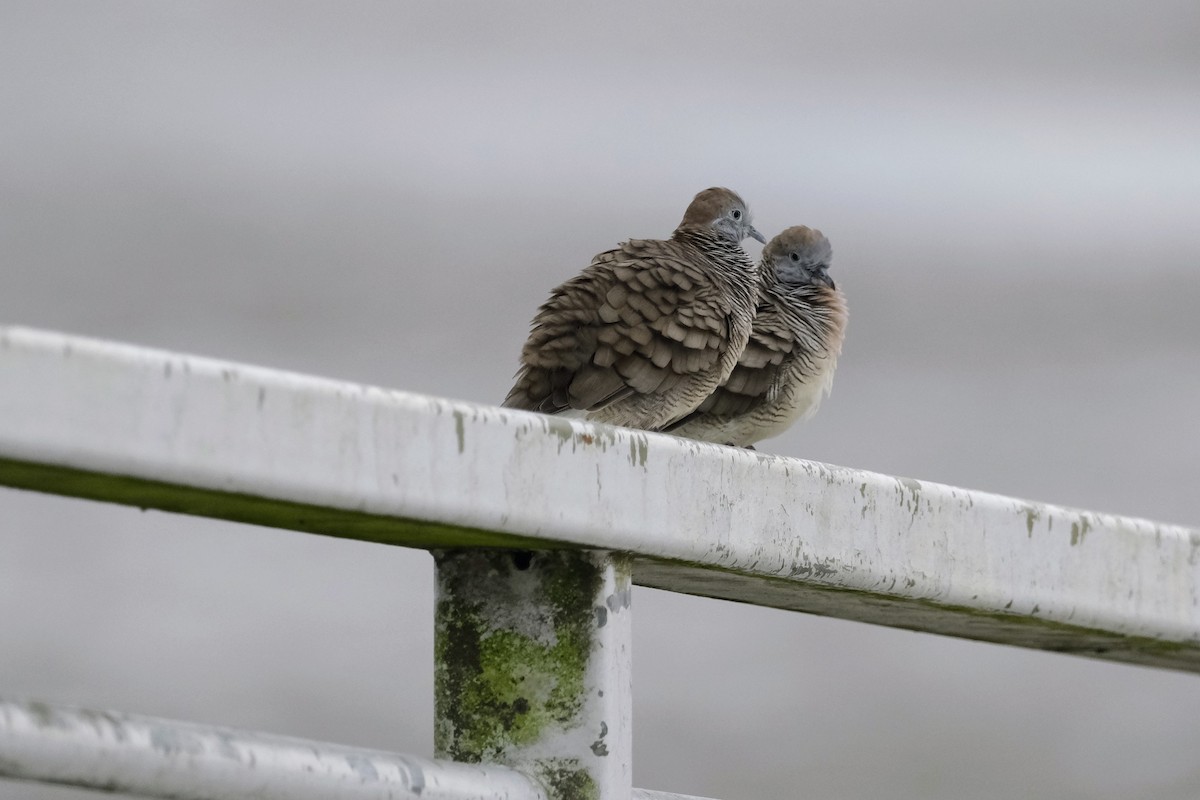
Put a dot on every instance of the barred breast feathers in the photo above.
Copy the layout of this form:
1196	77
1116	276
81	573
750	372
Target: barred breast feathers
789	360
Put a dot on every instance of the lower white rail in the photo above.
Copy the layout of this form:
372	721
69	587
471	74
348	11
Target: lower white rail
148	757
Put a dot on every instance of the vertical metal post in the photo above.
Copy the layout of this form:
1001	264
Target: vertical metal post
533	667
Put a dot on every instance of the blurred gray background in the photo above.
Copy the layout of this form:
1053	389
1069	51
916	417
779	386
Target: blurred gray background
384	192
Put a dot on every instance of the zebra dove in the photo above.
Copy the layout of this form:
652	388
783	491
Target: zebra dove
649	329
788	364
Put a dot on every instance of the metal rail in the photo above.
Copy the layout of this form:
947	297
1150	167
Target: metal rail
129	425
149	757
538	527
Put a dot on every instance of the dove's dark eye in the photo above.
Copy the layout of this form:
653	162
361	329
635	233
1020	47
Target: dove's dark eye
795	256
737	214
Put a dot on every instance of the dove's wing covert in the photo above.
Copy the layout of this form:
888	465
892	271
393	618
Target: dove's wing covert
760	367
642	319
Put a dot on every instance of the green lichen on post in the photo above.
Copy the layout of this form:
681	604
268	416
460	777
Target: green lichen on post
514	637
567	779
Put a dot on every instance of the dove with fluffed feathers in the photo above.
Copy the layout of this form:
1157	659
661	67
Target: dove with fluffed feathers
787	365
649	329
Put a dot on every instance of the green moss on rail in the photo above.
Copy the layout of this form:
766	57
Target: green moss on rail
236	507
923	615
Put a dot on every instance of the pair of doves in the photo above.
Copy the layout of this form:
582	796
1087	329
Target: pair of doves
686	335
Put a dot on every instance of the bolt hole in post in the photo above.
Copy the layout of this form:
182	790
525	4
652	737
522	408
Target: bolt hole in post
529	673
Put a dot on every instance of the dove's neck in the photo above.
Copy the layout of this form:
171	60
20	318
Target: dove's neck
816	313
726	262
728	256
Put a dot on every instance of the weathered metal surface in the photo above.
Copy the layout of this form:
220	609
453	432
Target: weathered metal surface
150	757
532	666
124	424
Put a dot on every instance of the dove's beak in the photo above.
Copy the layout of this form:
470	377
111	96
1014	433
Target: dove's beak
753	233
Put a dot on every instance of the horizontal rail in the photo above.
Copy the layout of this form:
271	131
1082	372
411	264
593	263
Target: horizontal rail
156	758
149	757
129	425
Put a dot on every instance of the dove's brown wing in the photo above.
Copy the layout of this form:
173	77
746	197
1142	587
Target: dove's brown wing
639	320
759	367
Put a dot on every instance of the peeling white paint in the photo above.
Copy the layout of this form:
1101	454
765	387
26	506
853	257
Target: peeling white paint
158	758
700	518
115	752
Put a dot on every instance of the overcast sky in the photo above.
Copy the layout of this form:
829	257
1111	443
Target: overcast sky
384	193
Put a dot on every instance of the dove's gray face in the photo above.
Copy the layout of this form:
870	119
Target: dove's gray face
734	224
799	256
722	211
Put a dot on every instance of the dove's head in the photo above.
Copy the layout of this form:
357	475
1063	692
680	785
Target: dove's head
799	256
723	212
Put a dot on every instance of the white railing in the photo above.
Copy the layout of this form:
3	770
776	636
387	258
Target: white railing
538	525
